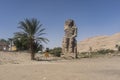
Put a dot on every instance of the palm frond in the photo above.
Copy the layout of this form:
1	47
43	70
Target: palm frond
42	39
23	26
40	34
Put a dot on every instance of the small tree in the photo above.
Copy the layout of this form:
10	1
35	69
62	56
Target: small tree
56	51
20	41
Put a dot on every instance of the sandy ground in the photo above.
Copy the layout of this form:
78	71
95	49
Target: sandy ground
107	68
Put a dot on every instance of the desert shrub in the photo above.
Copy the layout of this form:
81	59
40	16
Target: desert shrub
105	51
84	54
118	47
95	53
56	51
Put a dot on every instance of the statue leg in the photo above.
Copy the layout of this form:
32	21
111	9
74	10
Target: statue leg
75	46
65	45
71	45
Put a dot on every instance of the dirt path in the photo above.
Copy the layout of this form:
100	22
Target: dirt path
85	69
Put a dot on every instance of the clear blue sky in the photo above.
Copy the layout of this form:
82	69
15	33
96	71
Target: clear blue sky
92	17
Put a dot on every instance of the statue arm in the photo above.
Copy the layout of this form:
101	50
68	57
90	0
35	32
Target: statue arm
75	32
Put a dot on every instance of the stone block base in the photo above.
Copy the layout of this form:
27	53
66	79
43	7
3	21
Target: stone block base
69	56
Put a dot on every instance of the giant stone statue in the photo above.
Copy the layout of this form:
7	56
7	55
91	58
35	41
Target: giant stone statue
69	44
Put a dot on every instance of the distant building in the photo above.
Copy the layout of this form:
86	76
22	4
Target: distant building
12	47
4	46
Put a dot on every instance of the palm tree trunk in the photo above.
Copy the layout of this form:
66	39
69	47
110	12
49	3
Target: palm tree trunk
32	56
31	50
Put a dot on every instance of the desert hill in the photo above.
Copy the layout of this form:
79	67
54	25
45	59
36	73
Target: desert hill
99	42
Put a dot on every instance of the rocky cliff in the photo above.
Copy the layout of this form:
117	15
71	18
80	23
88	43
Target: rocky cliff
99	42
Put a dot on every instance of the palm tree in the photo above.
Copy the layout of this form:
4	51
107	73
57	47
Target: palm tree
34	31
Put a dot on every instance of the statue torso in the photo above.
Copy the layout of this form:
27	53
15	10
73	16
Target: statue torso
69	32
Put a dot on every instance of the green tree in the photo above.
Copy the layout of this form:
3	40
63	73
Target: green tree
37	47
33	31
56	51
20	41
4	41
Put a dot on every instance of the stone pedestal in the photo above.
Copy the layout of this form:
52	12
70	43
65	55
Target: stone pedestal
69	55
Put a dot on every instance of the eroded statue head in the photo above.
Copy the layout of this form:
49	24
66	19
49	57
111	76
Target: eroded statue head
69	22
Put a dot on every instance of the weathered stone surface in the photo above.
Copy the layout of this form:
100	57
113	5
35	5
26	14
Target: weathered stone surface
69	44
